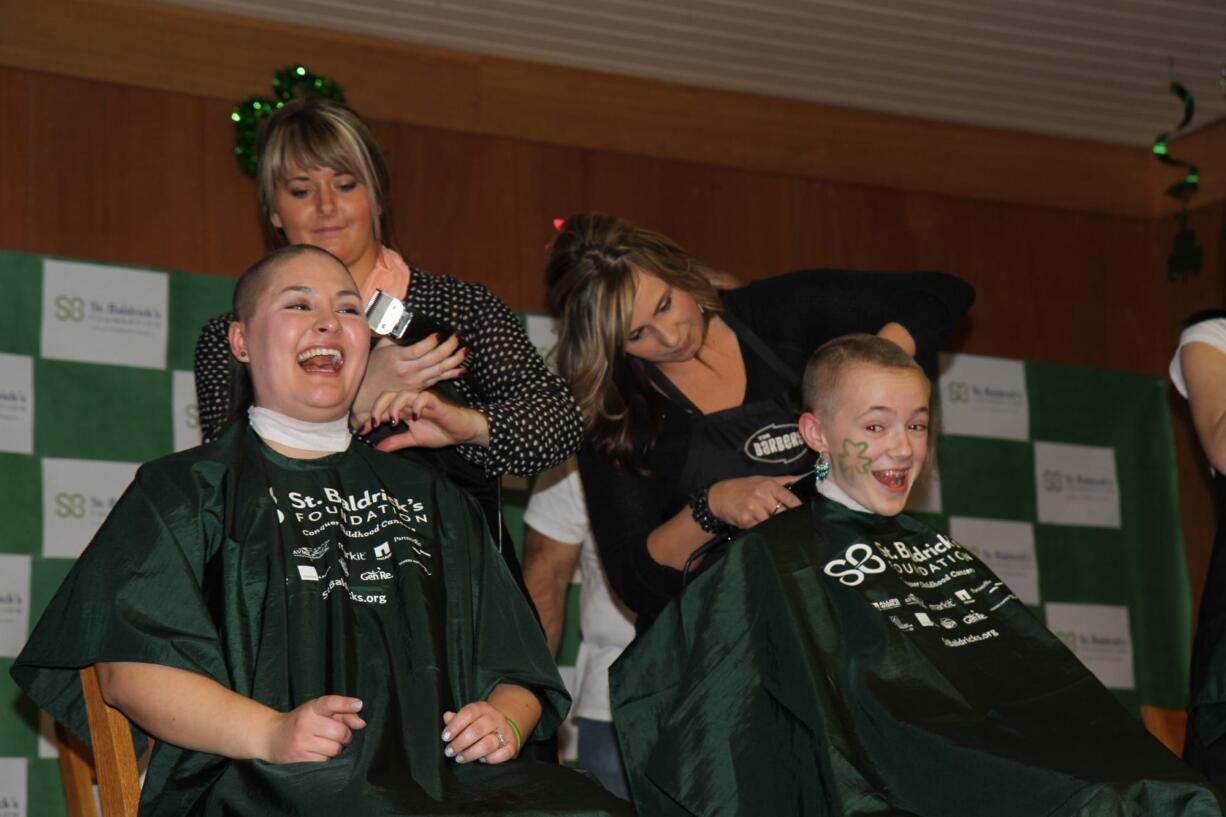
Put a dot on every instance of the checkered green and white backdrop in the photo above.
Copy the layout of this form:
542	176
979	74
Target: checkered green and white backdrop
1062	479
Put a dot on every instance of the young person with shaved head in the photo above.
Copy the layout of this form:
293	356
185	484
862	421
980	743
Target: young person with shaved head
306	625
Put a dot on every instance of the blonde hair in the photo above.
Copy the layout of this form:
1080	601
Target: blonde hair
591	278
313	132
829	364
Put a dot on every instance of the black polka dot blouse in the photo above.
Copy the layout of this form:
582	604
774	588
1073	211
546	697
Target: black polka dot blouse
534	422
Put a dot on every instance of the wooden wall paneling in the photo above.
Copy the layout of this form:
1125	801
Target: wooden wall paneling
231	224
15	127
637	188
976	241
66	175
155	180
852	226
736	220
1069	317
804	139
218	55
458	192
549	183
228	57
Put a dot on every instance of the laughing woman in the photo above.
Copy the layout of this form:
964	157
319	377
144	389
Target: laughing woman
323	181
306	625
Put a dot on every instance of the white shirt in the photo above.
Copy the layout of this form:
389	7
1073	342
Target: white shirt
557	510
1212	332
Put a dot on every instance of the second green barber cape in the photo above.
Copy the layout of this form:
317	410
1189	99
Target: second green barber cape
281	579
843	663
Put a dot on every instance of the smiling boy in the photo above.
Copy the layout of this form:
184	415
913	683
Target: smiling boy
846	659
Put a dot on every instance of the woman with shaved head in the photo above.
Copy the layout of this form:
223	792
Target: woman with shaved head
305	624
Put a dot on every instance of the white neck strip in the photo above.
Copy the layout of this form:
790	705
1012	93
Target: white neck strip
332	436
834	493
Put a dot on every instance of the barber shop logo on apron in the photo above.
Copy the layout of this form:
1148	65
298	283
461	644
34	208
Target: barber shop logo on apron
776	443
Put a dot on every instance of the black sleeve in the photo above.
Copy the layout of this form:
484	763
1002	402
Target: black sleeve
625	507
534	421
213	375
797	312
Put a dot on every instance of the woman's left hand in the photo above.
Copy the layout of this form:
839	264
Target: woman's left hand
432	421
474	733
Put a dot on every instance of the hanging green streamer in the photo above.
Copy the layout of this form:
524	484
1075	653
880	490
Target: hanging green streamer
290	82
1186	255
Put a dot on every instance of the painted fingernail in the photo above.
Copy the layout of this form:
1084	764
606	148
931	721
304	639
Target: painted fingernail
483	760
357	706
395	420
459	758
462	372
449	751
447	735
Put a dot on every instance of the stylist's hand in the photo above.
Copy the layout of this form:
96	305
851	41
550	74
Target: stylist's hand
432	421
746	501
315	731
392	367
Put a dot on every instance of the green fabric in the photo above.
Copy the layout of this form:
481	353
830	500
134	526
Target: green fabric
357	574
844	663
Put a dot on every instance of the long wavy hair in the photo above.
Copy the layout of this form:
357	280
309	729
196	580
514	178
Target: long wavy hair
591	278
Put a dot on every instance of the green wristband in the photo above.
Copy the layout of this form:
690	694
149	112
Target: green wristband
519	736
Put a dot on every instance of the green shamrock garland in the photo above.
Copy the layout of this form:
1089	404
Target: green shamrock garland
288	83
1186	255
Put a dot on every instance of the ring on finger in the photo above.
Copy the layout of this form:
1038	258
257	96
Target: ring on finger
778	507
502	740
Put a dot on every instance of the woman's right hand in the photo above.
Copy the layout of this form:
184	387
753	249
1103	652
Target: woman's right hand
746	501
315	731
417	367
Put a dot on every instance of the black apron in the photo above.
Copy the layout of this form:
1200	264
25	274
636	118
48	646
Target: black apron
757	438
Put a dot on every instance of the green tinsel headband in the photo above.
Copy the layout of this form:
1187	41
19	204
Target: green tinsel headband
288	83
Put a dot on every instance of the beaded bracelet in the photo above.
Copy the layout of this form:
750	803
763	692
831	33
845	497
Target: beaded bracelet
701	511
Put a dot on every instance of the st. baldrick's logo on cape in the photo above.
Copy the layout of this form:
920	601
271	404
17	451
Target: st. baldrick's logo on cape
861	560
858	561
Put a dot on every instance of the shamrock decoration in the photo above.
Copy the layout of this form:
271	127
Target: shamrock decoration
288	83
1186	255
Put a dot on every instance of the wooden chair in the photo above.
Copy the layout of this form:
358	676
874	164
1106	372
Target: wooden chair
1167	725
111	763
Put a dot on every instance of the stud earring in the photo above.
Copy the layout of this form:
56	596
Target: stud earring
821	469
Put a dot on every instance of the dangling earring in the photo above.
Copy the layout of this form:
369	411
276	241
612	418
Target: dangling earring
821	468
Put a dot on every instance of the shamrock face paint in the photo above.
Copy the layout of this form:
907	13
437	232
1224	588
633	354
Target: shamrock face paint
852	459
876	433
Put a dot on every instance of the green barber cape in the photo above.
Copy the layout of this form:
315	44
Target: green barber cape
845	663
357	574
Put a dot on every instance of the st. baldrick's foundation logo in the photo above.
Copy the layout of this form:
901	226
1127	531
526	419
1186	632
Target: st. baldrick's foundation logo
858	561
